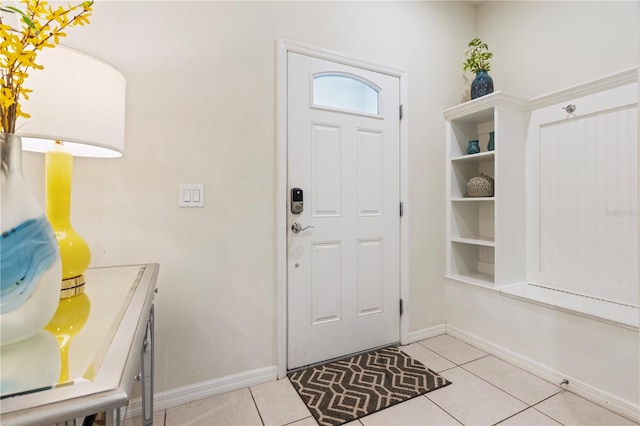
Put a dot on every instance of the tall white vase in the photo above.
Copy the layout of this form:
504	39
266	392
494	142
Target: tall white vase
30	267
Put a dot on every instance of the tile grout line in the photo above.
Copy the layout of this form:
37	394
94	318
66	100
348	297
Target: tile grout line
455	365
294	421
452	361
310	416
495	386
255	404
492	385
545	414
303	402
511	395
448	413
511	416
528	406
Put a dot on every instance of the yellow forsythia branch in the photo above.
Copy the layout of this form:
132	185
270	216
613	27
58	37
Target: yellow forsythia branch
40	26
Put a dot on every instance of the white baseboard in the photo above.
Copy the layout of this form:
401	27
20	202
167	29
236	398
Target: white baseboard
623	407
186	394
426	333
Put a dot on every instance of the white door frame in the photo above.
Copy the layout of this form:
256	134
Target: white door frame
283	47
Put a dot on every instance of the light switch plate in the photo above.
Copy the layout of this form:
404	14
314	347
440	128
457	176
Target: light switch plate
190	195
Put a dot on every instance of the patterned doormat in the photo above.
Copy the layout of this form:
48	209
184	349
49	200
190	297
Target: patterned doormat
350	388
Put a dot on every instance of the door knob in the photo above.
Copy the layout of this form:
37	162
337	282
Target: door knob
297	228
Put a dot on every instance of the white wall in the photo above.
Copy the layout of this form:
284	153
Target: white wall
544	46
200	109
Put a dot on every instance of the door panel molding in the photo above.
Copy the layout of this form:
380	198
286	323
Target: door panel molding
326	274
326	141
370	294
283	47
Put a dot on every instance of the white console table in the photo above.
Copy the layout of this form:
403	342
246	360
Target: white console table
112	351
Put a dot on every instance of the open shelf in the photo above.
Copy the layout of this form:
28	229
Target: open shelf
479	157
473	261
472	221
477	279
480	249
472	199
486	242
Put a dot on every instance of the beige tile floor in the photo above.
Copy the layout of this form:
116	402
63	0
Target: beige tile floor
484	391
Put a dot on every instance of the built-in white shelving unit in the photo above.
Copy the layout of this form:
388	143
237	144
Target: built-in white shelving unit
486	235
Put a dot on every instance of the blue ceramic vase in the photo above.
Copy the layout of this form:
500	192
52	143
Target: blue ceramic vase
481	85
473	147
30	267
491	145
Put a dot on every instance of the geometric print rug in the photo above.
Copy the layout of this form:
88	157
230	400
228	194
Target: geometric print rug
344	390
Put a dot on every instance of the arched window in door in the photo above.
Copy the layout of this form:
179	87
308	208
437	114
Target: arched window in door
346	92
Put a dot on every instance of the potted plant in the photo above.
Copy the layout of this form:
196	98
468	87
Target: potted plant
478	56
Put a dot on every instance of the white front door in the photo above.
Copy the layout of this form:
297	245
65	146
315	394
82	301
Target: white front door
344	154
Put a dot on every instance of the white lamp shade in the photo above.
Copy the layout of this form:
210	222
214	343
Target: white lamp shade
77	99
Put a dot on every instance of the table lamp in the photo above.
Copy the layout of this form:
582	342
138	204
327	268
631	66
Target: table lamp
77	108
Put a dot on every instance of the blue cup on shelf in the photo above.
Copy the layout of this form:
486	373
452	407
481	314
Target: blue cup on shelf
492	142
473	147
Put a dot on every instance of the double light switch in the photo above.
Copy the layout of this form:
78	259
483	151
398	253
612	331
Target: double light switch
190	195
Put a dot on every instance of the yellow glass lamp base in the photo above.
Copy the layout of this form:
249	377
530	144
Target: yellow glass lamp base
71	316
74	251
